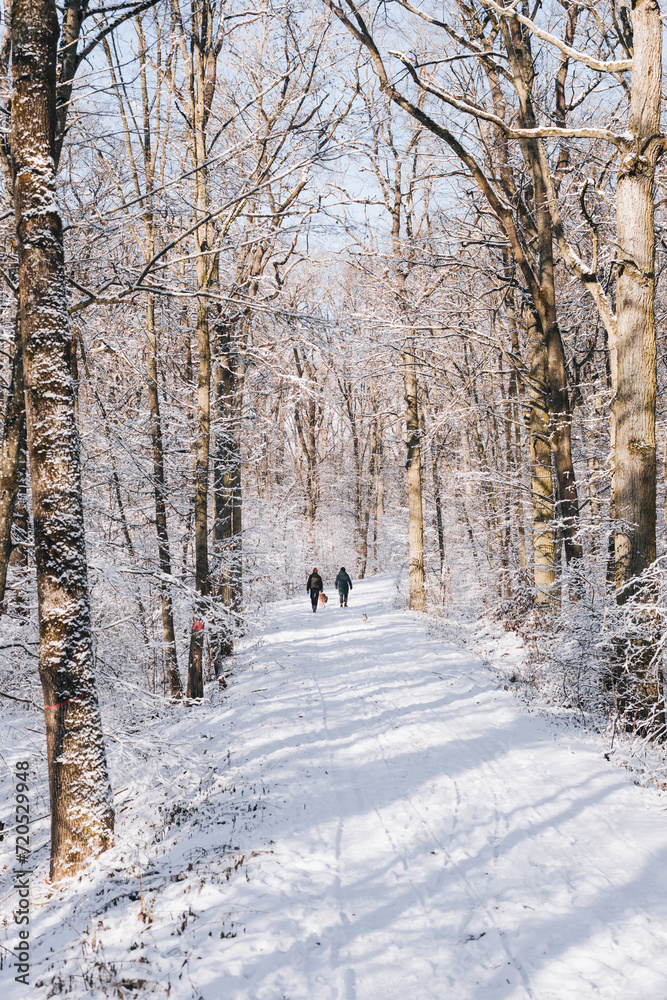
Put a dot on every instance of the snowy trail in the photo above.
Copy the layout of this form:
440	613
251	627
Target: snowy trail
432	839
409	831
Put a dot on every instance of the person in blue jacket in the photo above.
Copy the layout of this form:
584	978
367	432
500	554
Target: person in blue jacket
343	585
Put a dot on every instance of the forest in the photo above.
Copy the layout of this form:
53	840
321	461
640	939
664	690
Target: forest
289	285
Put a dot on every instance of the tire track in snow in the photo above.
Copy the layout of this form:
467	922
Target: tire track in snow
541	779
344	973
414	811
364	804
414	765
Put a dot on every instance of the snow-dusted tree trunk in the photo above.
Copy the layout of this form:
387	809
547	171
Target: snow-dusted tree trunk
13	433
541	283
228	524
516	461
202	461
199	52
634	406
634	485
373	475
200	41
159	489
411	412
308	420
540	466
436	448
414	480
362	490
151	143
81	805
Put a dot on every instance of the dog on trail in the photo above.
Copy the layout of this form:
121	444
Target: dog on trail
322	599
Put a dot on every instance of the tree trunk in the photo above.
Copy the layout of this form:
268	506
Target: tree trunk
378	506
439	524
373	470
159	490
228	525
202	579
411	413
634	490
13	433
358	485
634	405
541	284
312	473
200	41
206	271
308	440
567	502
151	110
361	509
414	481
540	467
516	418
82	815
66	70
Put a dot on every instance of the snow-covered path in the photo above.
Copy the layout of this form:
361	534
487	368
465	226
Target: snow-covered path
408	829
431	838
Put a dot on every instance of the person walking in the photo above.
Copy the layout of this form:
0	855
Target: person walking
314	587
343	585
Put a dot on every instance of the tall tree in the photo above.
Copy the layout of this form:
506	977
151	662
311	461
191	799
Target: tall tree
82	814
522	217
71	54
200	40
631	329
145	166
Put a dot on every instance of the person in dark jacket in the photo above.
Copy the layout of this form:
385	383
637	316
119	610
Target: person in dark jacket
314	587
343	585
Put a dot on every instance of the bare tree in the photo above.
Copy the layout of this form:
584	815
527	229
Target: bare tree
527	228
147	167
200	38
81	808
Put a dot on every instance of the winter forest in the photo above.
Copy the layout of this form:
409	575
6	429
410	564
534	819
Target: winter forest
290	285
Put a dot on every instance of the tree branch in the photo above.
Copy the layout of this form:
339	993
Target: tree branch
542	132
598	65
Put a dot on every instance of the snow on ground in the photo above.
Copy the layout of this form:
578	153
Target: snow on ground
365	814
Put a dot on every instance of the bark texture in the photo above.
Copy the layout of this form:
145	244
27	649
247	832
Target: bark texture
634	489
159	488
372	487
410	390
540	467
200	46
439	523
202	461
414	483
13	434
148	165
541	282
81	805
634	406
228	525
68	62
307	419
